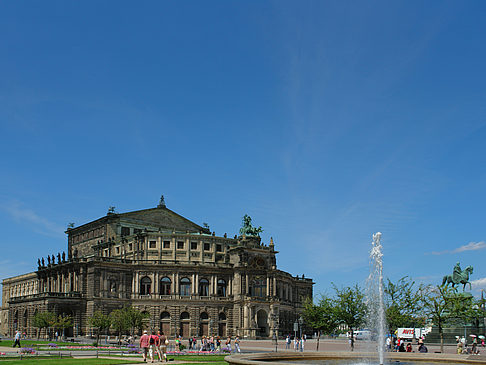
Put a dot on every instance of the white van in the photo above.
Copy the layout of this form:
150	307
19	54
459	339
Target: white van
362	335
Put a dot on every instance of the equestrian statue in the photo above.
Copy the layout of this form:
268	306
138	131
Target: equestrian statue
458	277
247	228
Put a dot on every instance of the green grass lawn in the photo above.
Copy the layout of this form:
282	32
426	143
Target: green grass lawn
67	361
31	343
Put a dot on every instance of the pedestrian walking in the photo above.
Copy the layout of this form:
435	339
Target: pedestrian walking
351	343
237	344
153	345
144	345
287	342
17	339
228	343
163	343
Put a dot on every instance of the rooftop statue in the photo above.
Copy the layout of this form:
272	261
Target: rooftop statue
458	276
247	229
161	202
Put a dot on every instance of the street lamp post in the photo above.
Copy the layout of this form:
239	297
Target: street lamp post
274	318
301	322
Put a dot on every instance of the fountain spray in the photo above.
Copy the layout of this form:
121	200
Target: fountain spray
375	298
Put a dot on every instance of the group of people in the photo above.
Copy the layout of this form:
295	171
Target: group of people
154	344
462	347
398	345
213	344
299	343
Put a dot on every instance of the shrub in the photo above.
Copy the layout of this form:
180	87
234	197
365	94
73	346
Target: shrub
27	350
132	349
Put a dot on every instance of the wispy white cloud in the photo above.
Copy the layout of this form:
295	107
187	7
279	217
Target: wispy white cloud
471	246
479	284
22	214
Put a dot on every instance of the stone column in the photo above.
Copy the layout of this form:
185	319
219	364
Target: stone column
137	283
246	285
246	318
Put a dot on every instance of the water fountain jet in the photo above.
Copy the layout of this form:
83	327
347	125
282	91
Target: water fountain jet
375	298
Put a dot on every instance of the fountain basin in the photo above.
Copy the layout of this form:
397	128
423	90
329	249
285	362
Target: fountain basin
344	358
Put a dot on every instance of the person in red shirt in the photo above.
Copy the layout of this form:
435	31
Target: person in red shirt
154	346
144	344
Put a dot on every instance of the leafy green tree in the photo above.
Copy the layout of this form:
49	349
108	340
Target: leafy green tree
438	306
465	309
63	322
43	320
135	318
350	306
321	316
128	318
404	303
101	322
119	321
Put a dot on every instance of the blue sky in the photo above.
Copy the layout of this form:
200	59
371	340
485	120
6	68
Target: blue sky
326	121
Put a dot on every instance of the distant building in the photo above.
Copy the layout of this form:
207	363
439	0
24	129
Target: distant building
190	281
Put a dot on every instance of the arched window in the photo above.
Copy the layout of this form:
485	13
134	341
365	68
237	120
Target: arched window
222	316
204	316
185	315
16	320
185	287
221	288
258	287
204	287
165	285
24	320
165	315
145	286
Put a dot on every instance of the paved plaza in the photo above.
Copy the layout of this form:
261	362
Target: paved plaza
257	346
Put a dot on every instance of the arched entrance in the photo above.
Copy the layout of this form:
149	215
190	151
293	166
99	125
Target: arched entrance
65	322
222	325
262	323
165	323
15	321
184	327
204	324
